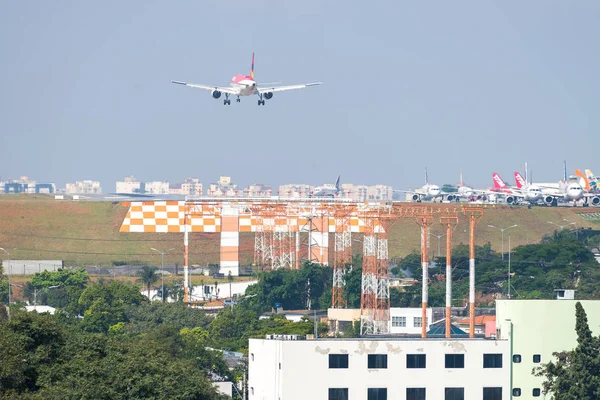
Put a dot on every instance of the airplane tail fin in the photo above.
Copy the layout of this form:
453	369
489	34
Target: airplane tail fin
594	184
583	180
520	181
565	170
252	68
461	179
337	183
426	177
498	182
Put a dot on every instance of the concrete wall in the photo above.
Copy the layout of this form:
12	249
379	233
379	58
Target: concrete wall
289	369
30	267
540	327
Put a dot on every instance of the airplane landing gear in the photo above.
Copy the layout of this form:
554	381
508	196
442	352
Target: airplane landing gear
261	101
226	102
238	99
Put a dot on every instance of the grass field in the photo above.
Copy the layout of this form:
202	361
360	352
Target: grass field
87	233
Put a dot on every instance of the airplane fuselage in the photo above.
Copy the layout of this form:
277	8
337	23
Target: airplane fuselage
244	85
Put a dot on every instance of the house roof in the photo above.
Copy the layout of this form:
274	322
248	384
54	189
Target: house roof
479	320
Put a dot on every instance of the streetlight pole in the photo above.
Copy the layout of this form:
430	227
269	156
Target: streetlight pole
8	275
509	265
438	238
162	272
502	231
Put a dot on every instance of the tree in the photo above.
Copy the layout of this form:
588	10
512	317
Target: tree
148	277
575	375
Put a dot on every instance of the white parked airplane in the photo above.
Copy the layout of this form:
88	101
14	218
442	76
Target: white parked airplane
426	191
244	85
328	191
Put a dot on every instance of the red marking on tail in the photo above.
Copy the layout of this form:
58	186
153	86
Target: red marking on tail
520	181
498	182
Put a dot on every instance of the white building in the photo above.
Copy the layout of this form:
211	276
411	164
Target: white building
84	187
189	187
406	321
538	328
295	191
379	369
129	185
258	190
156	187
224	188
367	193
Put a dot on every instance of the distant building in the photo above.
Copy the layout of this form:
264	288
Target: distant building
258	190
84	187
155	187
367	193
402	320
224	188
26	185
129	185
189	187
295	191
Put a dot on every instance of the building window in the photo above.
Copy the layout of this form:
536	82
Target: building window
494	393
537	358
517	358
454	394
516	392
455	360
338	361
338	394
377	394
492	361
415	361
377	361
415	394
417	322
537	392
399	322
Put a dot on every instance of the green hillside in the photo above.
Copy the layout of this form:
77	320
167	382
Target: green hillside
87	233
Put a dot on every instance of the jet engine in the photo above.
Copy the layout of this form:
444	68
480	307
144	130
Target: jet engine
451	197
216	94
511	200
268	95
481	197
416	197
595	200
549	200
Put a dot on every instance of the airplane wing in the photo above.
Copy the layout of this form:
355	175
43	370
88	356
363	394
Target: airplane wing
284	88
219	88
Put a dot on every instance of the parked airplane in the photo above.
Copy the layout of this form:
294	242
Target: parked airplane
526	191
499	185
328	190
245	85
466	192
426	191
588	181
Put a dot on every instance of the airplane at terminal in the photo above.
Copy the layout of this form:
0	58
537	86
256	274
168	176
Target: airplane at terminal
245	85
567	190
328	190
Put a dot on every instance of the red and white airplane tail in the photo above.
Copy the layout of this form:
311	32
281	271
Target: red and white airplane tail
498	182
520	181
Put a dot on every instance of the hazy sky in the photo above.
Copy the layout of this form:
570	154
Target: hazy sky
479	85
